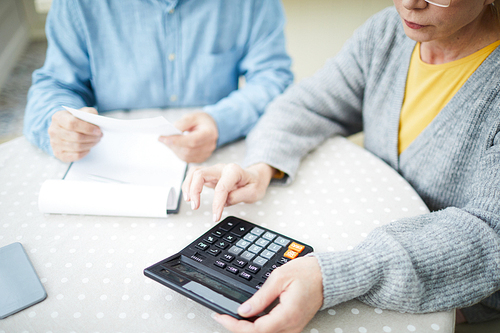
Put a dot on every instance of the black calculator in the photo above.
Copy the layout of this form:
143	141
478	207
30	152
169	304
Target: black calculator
227	265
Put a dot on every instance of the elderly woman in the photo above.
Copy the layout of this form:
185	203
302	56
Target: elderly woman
422	80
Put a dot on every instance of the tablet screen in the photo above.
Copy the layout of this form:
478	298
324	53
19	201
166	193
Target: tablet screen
20	286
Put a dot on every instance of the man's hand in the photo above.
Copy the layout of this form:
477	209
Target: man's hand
232	184
72	138
199	142
299	286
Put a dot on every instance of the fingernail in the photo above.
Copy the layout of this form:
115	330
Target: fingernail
244	308
215	218
192	205
185	197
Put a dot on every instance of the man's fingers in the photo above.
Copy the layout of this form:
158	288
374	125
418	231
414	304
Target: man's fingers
66	120
71	138
89	110
70	156
192	147
198	141
63	134
189	140
72	146
186	123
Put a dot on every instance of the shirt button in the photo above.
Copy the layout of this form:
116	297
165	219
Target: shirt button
171	56
173	98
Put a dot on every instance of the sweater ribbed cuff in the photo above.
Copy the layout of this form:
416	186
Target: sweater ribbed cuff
346	275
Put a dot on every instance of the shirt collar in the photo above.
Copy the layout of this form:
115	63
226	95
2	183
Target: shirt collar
170	3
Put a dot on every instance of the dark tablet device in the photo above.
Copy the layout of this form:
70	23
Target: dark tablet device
228	264
20	286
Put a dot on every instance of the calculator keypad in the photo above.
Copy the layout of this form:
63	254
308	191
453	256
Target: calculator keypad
248	252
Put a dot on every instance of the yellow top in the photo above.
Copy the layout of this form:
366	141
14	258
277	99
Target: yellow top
430	87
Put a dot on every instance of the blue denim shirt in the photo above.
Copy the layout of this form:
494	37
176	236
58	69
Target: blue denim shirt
129	54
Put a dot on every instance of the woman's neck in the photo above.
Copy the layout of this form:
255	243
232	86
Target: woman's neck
477	35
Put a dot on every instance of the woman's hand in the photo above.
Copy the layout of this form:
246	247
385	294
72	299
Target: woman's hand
232	184
299	286
72	138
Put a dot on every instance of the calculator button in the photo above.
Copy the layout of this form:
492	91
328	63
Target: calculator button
227	257
218	233
220	264
250	237
246	276
235	250
213	252
260	261
265	276
296	247
257	231
210	239
229	238
252	268
239	230
232	269
274	247
282	241
290	254
269	236
222	244
273	267
227	225
202	246
247	255
267	254
283	261
240	263
243	243
262	242
259	286
254	249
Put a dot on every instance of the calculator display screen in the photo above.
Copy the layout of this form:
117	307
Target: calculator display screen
214	284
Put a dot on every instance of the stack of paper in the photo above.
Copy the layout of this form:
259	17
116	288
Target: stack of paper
128	173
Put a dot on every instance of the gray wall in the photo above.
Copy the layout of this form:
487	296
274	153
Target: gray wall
14	35
19	23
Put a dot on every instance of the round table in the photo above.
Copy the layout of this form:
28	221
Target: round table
92	266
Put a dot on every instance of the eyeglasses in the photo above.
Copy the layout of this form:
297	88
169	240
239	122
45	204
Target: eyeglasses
439	3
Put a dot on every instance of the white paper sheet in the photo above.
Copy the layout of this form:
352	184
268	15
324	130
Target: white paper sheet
154	126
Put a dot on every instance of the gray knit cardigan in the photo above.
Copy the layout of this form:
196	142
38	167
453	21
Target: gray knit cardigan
449	258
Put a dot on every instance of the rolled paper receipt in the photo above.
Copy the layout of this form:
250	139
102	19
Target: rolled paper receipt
111	199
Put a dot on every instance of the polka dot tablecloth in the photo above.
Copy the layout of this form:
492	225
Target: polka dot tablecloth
92	266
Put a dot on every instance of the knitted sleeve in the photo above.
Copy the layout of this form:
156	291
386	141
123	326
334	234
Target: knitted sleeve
438	261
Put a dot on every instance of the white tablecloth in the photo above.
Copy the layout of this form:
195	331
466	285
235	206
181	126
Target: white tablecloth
92	266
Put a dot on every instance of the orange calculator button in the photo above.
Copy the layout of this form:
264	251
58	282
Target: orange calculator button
296	247
290	254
